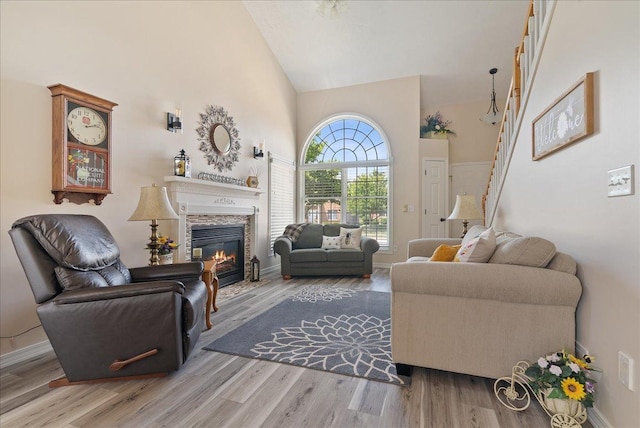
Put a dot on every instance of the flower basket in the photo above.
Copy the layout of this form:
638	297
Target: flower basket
560	382
563	406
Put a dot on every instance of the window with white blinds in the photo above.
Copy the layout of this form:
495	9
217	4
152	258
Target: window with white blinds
282	187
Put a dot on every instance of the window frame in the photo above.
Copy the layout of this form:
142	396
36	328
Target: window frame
344	166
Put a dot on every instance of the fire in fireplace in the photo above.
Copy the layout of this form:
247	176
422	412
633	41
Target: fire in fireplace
224	243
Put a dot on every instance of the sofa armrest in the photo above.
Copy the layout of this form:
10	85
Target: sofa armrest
118	291
282	246
369	245
426	246
507	283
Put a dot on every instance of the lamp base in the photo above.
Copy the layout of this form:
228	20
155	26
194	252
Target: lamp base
153	244
465	223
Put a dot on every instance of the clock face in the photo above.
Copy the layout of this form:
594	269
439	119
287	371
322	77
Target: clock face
86	126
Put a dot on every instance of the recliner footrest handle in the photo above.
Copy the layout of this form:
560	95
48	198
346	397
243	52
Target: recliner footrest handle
118	364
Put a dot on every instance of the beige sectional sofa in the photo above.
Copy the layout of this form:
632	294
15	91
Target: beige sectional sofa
482	318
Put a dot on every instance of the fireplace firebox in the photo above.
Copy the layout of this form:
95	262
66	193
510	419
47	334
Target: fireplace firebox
225	244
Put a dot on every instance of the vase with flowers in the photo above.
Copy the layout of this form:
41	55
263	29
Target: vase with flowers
166	247
436	127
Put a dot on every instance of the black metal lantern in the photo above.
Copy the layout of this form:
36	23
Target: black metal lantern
255	269
182	165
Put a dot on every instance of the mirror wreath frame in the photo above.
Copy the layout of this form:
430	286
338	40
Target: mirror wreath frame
212	117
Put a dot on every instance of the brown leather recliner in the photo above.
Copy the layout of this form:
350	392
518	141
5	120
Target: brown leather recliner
105	321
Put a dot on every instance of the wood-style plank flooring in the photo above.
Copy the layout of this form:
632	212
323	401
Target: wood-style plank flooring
219	390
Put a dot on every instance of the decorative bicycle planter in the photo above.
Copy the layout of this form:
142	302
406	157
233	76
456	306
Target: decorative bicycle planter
515	393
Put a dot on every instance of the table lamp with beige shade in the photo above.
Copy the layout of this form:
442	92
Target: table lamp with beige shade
465	209
154	205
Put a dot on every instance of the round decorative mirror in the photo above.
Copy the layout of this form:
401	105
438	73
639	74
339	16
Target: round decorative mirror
218	138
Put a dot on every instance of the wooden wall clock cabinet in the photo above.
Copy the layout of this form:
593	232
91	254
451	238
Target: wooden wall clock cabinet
81	146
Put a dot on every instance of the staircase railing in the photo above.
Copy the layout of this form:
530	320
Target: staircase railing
525	64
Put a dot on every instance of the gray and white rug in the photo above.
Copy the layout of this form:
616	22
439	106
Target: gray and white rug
325	328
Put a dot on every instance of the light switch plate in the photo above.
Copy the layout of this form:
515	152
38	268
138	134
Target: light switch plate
621	181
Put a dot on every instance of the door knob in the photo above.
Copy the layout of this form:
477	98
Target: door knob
443	219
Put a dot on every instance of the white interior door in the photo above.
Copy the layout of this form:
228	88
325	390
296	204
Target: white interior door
434	198
470	178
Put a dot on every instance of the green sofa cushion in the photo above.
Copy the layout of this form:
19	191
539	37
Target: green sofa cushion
305	255
345	255
311	237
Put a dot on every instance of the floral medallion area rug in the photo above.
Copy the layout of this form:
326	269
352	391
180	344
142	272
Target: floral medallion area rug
324	328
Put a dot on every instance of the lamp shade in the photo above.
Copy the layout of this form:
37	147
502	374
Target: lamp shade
491	118
153	205
465	209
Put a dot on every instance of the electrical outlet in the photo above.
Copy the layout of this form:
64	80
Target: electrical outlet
625	370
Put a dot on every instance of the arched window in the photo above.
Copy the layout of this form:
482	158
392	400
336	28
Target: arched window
345	172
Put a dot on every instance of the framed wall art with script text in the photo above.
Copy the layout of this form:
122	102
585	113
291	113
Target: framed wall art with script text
567	120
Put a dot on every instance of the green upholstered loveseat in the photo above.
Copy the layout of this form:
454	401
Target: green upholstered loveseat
306	257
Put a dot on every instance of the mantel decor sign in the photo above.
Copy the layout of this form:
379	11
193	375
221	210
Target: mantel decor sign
567	120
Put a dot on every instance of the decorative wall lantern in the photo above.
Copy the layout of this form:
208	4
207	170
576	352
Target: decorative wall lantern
182	165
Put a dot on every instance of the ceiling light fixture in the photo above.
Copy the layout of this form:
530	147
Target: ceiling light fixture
492	117
330	8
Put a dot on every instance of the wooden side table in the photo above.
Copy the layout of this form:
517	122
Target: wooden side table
210	278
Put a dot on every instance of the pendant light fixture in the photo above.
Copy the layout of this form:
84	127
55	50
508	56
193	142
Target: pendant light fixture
330	8
491	118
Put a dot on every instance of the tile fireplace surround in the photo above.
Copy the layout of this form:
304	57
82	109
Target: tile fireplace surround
200	202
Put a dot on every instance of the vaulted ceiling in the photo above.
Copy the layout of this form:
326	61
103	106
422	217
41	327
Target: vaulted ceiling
451	44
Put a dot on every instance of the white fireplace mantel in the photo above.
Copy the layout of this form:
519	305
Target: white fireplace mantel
190	196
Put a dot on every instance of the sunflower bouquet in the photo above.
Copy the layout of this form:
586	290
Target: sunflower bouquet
563	376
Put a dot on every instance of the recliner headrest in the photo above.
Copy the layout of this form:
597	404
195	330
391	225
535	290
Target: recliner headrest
80	242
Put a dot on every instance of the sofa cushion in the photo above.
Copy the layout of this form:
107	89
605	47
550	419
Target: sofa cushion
308	255
350	237
418	259
445	253
524	251
333	229
345	256
479	249
473	233
330	242
311	237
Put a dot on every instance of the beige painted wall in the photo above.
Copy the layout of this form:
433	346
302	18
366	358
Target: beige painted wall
148	57
395	106
563	197
474	141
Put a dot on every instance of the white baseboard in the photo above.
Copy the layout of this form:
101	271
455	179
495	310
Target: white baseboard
270	269
382	265
597	420
24	354
593	415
